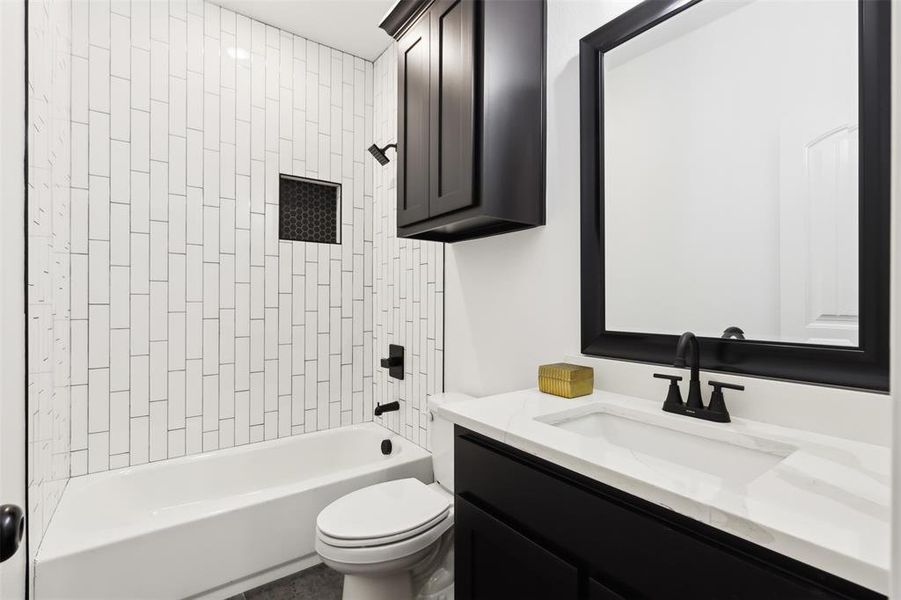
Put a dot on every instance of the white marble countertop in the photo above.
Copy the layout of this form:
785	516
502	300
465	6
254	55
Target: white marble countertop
827	504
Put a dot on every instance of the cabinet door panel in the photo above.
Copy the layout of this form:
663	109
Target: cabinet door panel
413	124
494	561
599	591
451	112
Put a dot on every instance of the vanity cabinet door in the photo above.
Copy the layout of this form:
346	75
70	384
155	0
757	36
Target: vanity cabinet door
599	591
452	125
495	561
413	108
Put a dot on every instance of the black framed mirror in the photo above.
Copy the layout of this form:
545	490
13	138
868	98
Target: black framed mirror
735	182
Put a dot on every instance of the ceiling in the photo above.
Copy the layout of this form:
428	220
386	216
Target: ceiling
348	25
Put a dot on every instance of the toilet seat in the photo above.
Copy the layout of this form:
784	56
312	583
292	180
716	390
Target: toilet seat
382	513
384	522
384	554
380	541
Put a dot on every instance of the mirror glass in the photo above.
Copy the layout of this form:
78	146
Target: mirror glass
731	173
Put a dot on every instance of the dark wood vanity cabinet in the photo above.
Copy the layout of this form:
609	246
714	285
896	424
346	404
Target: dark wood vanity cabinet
526	528
470	128
503	563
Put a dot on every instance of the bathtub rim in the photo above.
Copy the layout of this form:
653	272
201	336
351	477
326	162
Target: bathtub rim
58	545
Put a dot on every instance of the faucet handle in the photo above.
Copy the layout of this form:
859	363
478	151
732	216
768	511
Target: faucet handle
717	402
673	395
672	378
726	386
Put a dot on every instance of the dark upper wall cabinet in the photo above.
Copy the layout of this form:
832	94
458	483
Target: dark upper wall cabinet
413	125
471	156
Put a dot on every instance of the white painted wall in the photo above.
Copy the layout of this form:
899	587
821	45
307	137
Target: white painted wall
820	409
512	301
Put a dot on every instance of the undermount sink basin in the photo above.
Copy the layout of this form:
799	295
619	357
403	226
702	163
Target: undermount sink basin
739	460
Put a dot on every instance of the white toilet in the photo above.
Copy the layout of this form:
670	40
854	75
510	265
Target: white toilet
394	539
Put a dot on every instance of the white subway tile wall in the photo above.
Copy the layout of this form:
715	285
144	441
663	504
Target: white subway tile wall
165	317
193	327
193	335
52	78
409	283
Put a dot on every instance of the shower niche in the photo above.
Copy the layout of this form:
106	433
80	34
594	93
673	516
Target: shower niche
470	139
309	210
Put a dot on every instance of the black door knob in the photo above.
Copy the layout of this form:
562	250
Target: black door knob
12	529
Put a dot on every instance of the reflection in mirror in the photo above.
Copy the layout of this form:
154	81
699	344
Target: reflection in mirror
731	171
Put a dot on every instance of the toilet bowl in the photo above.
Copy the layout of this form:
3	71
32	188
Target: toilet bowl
381	537
389	538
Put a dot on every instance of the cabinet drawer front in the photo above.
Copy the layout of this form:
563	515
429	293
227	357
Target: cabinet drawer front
502	563
633	551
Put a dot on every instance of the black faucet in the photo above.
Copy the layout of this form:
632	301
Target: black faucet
387	407
733	332
688	344
694	407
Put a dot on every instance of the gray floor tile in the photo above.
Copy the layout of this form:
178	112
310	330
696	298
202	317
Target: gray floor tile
315	583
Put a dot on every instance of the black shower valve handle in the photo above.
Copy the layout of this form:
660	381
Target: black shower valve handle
395	361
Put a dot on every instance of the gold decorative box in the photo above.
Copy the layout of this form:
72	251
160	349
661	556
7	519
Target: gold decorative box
566	380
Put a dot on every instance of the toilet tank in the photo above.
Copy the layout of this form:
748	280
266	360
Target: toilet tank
443	440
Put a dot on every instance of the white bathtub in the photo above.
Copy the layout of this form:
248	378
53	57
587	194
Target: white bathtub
210	525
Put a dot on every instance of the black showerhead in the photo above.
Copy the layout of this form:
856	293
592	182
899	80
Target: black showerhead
379	153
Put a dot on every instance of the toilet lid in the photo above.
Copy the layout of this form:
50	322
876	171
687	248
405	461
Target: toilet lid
383	510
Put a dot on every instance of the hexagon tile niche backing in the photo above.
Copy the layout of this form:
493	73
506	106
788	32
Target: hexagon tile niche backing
308	210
